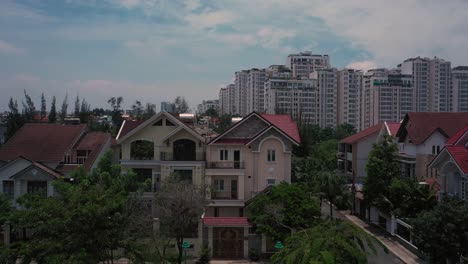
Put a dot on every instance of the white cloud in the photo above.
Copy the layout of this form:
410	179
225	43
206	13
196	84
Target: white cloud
9	49
209	19
362	65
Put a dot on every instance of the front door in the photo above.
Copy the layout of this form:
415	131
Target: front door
236	159
228	242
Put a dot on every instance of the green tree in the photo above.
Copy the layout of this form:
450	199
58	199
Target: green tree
64	109
150	110
381	168
224	122
85	111
409	198
211	112
14	120
344	131
442	233
137	110
53	112
181	205
283	209
181	105
330	186
29	110
77	107
330	242
43	107
115	103
83	223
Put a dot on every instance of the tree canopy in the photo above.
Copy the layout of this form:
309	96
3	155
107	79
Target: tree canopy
82	223
442	233
330	242
283	209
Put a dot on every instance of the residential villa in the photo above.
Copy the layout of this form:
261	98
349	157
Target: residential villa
452	165
238	164
39	153
353	151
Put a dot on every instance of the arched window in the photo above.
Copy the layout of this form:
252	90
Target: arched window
142	150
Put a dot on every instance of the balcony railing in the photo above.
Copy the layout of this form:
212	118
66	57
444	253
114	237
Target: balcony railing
225	165
222	195
169	156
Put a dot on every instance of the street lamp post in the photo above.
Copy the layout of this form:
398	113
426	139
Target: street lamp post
186	245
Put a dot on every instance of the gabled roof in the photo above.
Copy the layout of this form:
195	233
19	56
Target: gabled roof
36	164
130	128
460	156
95	142
393	127
282	123
362	134
226	221
285	124
457	137
418	126
42	142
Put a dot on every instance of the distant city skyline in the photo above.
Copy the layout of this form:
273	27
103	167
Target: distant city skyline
154	50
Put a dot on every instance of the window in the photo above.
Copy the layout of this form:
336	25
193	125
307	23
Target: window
169	123
271	155
241	212
219	185
271	182
216	212
9	188
223	154
37	187
433	150
184	175
159	123
144	176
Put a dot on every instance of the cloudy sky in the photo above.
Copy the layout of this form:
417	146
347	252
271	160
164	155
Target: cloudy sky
154	50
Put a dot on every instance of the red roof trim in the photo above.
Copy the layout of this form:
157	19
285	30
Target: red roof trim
226	221
362	134
457	137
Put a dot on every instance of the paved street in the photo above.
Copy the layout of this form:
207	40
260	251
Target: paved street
397	255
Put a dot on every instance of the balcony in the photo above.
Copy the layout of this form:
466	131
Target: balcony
169	156
225	165
223	195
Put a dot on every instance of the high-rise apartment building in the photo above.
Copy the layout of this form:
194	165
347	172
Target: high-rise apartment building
208	104
304	63
255	90
297	97
350	86
241	92
387	96
227	100
326	80
431	81
459	90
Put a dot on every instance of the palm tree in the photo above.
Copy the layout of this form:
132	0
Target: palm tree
330	186
332	241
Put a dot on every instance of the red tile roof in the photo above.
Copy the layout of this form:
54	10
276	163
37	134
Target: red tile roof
128	126
93	141
393	127
362	134
232	141
41	142
423	124
285	124
226	221
460	155
457	136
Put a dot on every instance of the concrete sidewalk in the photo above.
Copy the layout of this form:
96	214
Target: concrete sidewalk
393	246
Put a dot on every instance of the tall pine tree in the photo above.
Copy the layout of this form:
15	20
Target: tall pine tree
53	112
29	110
14	119
64	109
77	106
43	107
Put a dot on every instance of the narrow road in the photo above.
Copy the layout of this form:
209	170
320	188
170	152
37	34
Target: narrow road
381	257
